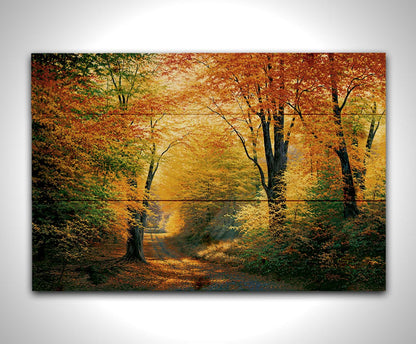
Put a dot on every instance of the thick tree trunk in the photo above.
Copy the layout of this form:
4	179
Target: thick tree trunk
276	167
136	231
275	143
276	200
350	204
136	235
135	241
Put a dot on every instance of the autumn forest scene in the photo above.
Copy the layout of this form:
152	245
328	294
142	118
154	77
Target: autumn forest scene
208	172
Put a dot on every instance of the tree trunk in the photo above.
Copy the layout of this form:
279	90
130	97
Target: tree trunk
350	204
361	174
276	201
135	239
136	231
276	168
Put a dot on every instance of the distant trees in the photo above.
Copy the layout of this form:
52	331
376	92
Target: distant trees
207	177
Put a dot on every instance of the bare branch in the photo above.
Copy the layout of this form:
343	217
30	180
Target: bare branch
303	122
243	141
111	73
157	120
378	122
202	62
292	123
242	93
172	144
347	95
133	81
350	88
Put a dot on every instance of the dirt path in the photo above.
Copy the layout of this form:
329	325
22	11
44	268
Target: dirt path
166	270
191	274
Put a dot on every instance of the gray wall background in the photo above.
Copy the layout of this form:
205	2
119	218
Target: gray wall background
231	26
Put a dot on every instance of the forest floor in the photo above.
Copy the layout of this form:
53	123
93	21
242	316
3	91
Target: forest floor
166	270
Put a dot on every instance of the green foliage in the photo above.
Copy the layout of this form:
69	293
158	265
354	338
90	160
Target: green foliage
326	195
207	222
367	235
118	160
58	246
63	243
215	169
348	255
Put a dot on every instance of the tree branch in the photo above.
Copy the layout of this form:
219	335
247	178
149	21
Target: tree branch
347	95
350	88
303	122
133	81
292	123
157	120
243	141
172	144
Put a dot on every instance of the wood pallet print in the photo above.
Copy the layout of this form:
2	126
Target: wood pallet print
208	172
